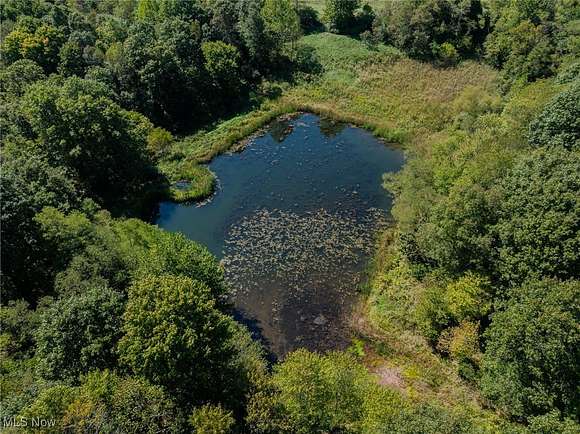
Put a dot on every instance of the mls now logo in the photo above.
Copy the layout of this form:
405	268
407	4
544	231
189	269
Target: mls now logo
19	422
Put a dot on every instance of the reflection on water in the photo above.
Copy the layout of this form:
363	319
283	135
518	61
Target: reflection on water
293	223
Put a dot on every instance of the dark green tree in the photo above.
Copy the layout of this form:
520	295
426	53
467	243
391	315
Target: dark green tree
559	123
538	229
78	334
17	76
71	60
29	182
78	126
429	29
532	360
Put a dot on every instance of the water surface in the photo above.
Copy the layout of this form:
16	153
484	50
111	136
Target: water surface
293	221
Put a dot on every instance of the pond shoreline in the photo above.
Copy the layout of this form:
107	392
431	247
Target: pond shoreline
294	220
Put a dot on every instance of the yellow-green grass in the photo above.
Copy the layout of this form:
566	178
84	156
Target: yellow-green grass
395	97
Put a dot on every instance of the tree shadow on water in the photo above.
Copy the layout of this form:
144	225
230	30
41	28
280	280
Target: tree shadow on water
256	331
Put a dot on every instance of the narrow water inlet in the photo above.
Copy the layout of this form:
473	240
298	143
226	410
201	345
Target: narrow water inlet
294	222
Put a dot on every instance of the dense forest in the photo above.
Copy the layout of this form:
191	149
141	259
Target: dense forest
110	324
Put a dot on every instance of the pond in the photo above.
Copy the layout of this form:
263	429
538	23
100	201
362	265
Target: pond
294	220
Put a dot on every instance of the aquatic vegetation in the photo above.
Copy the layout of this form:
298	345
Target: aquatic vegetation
307	266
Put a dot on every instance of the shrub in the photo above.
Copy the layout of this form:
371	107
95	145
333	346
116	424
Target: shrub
159	140
211	419
432	314
446	53
461	343
468	298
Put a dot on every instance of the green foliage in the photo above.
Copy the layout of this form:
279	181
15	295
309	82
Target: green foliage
338	15
539	217
29	182
446	53
17	322
93	248
456	234
38	42
51	404
431	313
174	336
222	63
552	423
211	419
530	38
559	123
313	393
471	104
147	10
159	141
17	76
281	21
107	402
470	225
78	333
150	250
79	127
525	52
461	343
71	60
440	29
468	298
531	364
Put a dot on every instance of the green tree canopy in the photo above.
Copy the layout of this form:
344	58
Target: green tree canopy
34	41
78	333
281	21
174	336
108	402
338	15
538	210
77	125
532	360
29	182
434	28
559	123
